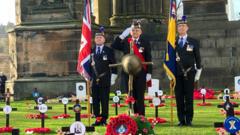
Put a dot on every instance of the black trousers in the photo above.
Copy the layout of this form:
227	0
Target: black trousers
184	97
100	95
2	88
139	87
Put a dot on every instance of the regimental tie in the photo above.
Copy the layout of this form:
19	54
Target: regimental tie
181	42
98	50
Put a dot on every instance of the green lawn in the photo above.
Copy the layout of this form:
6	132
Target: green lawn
204	117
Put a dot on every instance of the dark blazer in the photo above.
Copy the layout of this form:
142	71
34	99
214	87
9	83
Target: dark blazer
102	62
123	45
189	54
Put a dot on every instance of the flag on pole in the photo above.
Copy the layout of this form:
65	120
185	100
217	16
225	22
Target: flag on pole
170	56
83	65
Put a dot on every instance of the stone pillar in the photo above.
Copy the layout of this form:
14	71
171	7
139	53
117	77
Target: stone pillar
101	11
148	7
136	9
140	7
124	7
18	12
131	7
116	7
166	5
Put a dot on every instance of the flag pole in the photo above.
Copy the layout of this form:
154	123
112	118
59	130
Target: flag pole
88	103
171	93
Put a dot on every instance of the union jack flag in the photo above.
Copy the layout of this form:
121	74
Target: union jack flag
83	65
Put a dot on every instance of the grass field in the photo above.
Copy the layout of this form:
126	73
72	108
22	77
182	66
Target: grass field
204	117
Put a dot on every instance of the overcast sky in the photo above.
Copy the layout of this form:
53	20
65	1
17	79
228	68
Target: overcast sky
7	11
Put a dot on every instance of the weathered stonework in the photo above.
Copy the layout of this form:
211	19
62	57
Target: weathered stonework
44	45
4	57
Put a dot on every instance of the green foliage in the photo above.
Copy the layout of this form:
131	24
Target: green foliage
204	117
144	127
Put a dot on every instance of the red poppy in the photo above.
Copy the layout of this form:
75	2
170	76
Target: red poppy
35	116
204	104
37	130
61	116
155	121
119	105
6	130
237	112
209	94
160	105
122	120
130	99
221	131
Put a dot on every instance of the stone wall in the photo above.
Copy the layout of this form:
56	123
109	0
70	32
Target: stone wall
47	11
47	52
4	57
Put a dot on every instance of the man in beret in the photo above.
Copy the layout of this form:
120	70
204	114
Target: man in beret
142	49
102	78
188	71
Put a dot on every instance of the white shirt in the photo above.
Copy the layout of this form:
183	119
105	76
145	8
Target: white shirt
101	48
184	39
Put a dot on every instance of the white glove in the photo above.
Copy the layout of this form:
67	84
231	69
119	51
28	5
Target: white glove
125	33
198	74
148	77
113	79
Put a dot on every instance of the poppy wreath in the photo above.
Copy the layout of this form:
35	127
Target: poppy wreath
37	130
35	116
144	126
61	116
121	124
6	130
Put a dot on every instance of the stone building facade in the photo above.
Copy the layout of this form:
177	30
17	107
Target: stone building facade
45	43
4	57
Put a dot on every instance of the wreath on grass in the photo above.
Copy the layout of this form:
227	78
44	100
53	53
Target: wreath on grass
144	126
122	124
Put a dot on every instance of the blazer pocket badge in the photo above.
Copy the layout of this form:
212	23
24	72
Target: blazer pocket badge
189	48
104	57
141	49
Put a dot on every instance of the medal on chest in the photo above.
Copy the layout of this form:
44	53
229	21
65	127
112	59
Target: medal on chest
189	48
141	49
105	57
